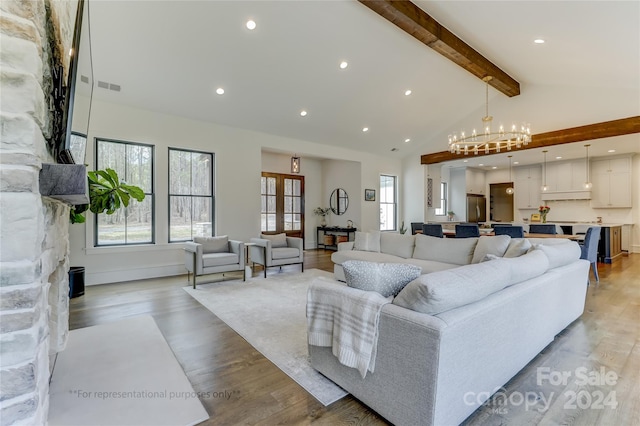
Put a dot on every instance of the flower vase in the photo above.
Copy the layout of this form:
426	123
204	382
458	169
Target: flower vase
323	222
544	218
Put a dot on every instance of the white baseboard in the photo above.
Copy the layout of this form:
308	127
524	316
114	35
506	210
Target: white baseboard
120	275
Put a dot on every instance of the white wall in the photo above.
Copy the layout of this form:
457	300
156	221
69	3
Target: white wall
346	175
414	190
239	163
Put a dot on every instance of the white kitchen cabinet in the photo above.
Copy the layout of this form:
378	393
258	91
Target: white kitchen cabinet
611	180
566	175
475	181
528	181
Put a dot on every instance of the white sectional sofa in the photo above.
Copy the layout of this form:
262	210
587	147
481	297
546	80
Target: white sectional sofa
455	335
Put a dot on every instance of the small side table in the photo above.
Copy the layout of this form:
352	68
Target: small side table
247	268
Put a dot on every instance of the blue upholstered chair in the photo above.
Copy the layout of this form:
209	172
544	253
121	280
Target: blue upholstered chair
542	229
467	230
415	227
590	249
496	225
432	229
512	231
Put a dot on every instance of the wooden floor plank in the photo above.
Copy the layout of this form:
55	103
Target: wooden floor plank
239	386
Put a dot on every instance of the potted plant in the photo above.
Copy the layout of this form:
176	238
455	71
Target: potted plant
322	211
451	214
107	193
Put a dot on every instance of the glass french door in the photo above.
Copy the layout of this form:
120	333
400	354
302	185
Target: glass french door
282	200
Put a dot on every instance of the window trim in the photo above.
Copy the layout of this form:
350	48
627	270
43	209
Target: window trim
169	194
153	193
395	203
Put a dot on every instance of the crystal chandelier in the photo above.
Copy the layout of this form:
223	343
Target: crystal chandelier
488	140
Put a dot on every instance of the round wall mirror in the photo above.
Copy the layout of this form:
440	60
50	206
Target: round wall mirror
339	201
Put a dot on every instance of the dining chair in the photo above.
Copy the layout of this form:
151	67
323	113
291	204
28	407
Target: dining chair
542	229
415	227
512	231
496	225
467	230
590	249
432	229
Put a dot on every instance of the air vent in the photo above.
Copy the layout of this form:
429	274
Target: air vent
395	149
84	79
110	86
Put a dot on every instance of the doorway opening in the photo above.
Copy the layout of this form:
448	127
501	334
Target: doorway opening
500	203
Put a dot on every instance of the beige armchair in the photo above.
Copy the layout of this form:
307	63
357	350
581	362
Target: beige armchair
277	250
213	255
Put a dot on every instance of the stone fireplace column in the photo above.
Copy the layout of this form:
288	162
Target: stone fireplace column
34	242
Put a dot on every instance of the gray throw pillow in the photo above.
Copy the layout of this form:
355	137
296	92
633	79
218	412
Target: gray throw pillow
385	278
213	244
277	240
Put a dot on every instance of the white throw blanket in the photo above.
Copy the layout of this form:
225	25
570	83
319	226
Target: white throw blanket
346	319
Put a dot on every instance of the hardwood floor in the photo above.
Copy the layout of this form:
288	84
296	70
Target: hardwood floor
239	386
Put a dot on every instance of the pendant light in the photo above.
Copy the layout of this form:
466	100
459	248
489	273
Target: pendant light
510	189
295	164
587	184
545	188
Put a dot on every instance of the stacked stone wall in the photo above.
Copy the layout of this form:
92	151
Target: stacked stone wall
34	242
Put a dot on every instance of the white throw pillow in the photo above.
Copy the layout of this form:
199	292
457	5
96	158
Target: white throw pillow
517	247
277	240
385	278
490	245
445	290
458	251
560	254
367	241
213	244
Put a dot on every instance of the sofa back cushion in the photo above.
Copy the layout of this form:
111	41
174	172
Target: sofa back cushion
458	251
277	240
213	244
517	247
496	246
560	254
397	244
367	241
445	290
527	266
385	278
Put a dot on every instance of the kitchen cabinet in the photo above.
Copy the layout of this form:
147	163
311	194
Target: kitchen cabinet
566	175
528	181
610	246
475	181
611	180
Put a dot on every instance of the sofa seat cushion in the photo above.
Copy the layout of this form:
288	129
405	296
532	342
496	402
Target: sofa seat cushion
340	257
213	244
495	245
429	266
218	259
397	244
445	290
448	250
385	278
284	253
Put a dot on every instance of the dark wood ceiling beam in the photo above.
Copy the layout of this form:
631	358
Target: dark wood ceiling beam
607	129
423	27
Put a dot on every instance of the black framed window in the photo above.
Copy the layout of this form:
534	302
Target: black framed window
191	194
134	164
388	203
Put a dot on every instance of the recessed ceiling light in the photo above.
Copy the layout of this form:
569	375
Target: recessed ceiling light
465	161
538	41
303	113
494	167
480	164
516	162
612	150
220	91
407	140
407	92
343	65
558	158
365	129
251	24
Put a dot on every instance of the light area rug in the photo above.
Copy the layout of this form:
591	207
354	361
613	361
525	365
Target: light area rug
121	373
270	314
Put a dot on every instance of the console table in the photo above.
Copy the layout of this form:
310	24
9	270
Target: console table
335	231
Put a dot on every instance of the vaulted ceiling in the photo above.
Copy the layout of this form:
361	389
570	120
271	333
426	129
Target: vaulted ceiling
171	56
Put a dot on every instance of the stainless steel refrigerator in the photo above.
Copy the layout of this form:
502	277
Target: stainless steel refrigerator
476	208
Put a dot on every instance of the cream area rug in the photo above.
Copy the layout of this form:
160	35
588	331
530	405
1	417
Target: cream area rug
270	314
121	373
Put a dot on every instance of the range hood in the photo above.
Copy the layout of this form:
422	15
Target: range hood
565	195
